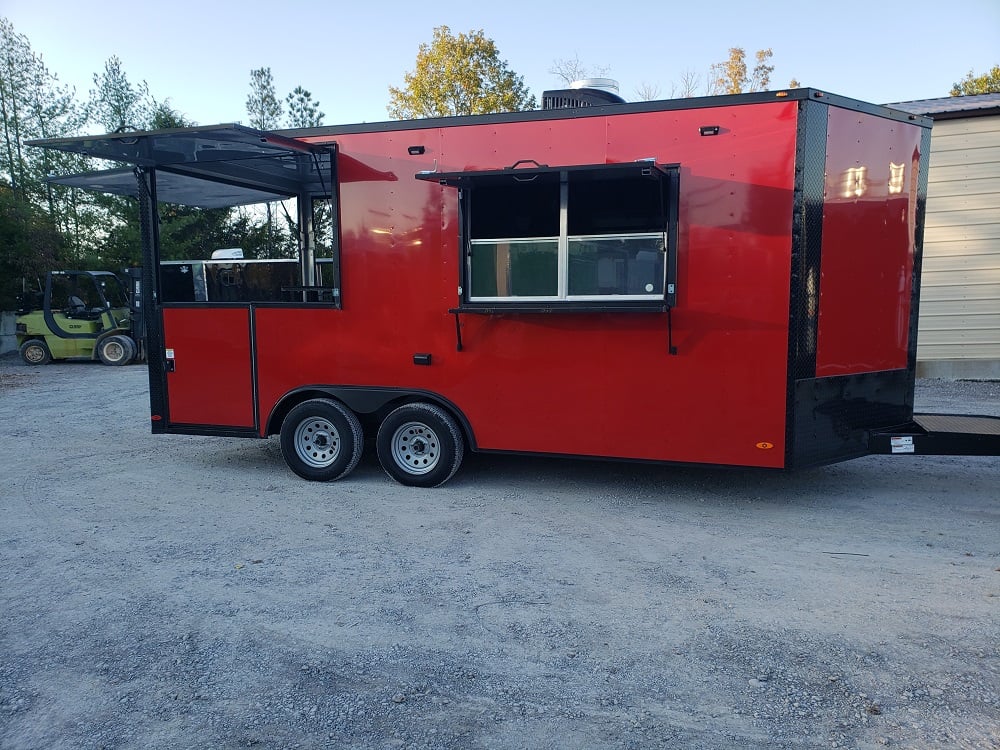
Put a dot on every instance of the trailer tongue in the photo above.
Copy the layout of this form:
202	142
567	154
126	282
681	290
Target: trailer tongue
727	281
940	435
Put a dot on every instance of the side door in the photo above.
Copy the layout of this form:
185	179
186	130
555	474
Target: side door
210	380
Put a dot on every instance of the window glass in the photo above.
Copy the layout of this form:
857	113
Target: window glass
616	265
113	291
227	280
326	272
75	294
612	243
515	268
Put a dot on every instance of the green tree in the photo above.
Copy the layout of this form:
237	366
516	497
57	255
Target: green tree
458	75
303	112
29	245
732	76
115	103
263	106
34	105
15	66
164	116
987	83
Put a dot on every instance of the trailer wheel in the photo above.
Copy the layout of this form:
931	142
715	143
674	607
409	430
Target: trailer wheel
35	352
420	445
116	350
321	440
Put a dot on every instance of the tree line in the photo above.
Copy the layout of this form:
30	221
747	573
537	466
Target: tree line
44	226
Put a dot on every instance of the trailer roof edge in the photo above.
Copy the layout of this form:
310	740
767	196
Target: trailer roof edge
701	102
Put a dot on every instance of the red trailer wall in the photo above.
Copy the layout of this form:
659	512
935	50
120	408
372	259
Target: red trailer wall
598	384
868	244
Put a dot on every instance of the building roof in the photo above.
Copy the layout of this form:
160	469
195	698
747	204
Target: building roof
952	107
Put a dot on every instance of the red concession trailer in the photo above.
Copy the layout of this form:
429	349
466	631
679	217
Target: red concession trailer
730	280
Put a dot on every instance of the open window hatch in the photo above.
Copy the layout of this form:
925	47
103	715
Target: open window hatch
218	166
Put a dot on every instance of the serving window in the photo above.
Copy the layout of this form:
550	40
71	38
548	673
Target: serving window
591	234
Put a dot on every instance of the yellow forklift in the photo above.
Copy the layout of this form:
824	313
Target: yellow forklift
80	315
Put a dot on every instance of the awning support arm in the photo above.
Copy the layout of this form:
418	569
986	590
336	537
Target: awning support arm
458	331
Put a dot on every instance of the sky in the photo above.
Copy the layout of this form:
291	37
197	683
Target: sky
199	54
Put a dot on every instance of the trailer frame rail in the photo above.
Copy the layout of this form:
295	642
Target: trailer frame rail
940	435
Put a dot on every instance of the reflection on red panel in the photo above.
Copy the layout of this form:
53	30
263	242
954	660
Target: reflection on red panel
868	244
211	382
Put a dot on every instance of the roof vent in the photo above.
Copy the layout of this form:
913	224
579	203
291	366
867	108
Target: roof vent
587	92
601	84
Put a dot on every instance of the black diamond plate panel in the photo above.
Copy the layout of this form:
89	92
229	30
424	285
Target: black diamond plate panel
834	416
807	237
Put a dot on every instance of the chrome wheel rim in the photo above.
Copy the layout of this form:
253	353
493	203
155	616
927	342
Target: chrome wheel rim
114	351
34	354
416	448
317	442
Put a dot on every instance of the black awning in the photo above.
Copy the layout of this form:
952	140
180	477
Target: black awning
541	173
171	188
196	165
157	148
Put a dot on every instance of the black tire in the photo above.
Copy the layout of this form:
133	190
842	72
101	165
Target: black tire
321	440
116	350
133	348
35	352
420	445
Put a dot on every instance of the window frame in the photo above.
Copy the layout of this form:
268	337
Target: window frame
466	182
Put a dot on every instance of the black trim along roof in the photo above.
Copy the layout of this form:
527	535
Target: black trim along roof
700	102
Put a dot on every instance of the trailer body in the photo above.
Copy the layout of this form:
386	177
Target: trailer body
731	280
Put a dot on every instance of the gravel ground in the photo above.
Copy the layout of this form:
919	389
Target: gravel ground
190	592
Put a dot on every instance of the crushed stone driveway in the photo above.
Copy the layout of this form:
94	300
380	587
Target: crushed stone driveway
191	592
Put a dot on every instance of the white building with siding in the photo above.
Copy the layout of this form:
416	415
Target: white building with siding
959	329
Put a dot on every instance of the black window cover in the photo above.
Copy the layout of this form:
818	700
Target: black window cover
545	173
